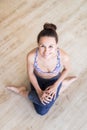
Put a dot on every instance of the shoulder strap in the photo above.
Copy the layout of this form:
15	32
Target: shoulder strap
35	59
58	56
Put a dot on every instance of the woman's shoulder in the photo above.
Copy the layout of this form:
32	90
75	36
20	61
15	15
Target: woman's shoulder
64	55
31	55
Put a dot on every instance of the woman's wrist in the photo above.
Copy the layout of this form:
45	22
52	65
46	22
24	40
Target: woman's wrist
39	91
56	84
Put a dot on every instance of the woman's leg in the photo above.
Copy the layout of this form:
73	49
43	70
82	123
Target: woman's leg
19	90
66	82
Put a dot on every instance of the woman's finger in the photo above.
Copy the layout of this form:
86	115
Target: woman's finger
44	101
54	96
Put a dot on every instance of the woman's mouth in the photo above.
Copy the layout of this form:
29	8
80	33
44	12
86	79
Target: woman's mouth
46	55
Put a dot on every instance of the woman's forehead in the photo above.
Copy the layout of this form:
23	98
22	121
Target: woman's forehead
47	40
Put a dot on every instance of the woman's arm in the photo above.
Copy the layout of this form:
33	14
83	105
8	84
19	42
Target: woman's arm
44	96
30	69
66	67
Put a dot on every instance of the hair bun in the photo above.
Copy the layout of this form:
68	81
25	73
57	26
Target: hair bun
50	26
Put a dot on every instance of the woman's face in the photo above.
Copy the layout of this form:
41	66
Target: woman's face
47	46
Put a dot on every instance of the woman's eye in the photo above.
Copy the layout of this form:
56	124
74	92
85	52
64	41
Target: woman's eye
42	46
50	46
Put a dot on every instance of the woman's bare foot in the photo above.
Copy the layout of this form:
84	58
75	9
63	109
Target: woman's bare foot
19	90
67	81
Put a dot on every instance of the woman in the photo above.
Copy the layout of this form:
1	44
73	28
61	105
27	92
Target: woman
48	66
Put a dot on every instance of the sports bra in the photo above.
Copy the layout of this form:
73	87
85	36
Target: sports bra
56	69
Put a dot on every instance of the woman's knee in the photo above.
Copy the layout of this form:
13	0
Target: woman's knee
42	112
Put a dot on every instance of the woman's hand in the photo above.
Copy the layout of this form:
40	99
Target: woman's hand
52	90
45	97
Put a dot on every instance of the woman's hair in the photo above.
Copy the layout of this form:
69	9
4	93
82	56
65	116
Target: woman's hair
49	30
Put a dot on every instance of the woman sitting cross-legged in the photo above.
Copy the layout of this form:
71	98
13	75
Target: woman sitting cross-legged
48	67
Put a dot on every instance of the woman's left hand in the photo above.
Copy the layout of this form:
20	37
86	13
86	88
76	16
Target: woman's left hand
52	90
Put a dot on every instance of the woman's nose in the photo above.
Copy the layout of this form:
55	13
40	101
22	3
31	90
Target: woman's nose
46	50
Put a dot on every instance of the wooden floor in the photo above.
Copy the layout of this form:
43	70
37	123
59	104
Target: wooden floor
20	22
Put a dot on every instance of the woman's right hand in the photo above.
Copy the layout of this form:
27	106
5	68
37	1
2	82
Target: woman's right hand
45	97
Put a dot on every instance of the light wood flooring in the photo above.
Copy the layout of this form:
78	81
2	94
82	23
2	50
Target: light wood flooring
20	22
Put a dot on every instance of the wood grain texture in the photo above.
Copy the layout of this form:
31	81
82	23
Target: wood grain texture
20	22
